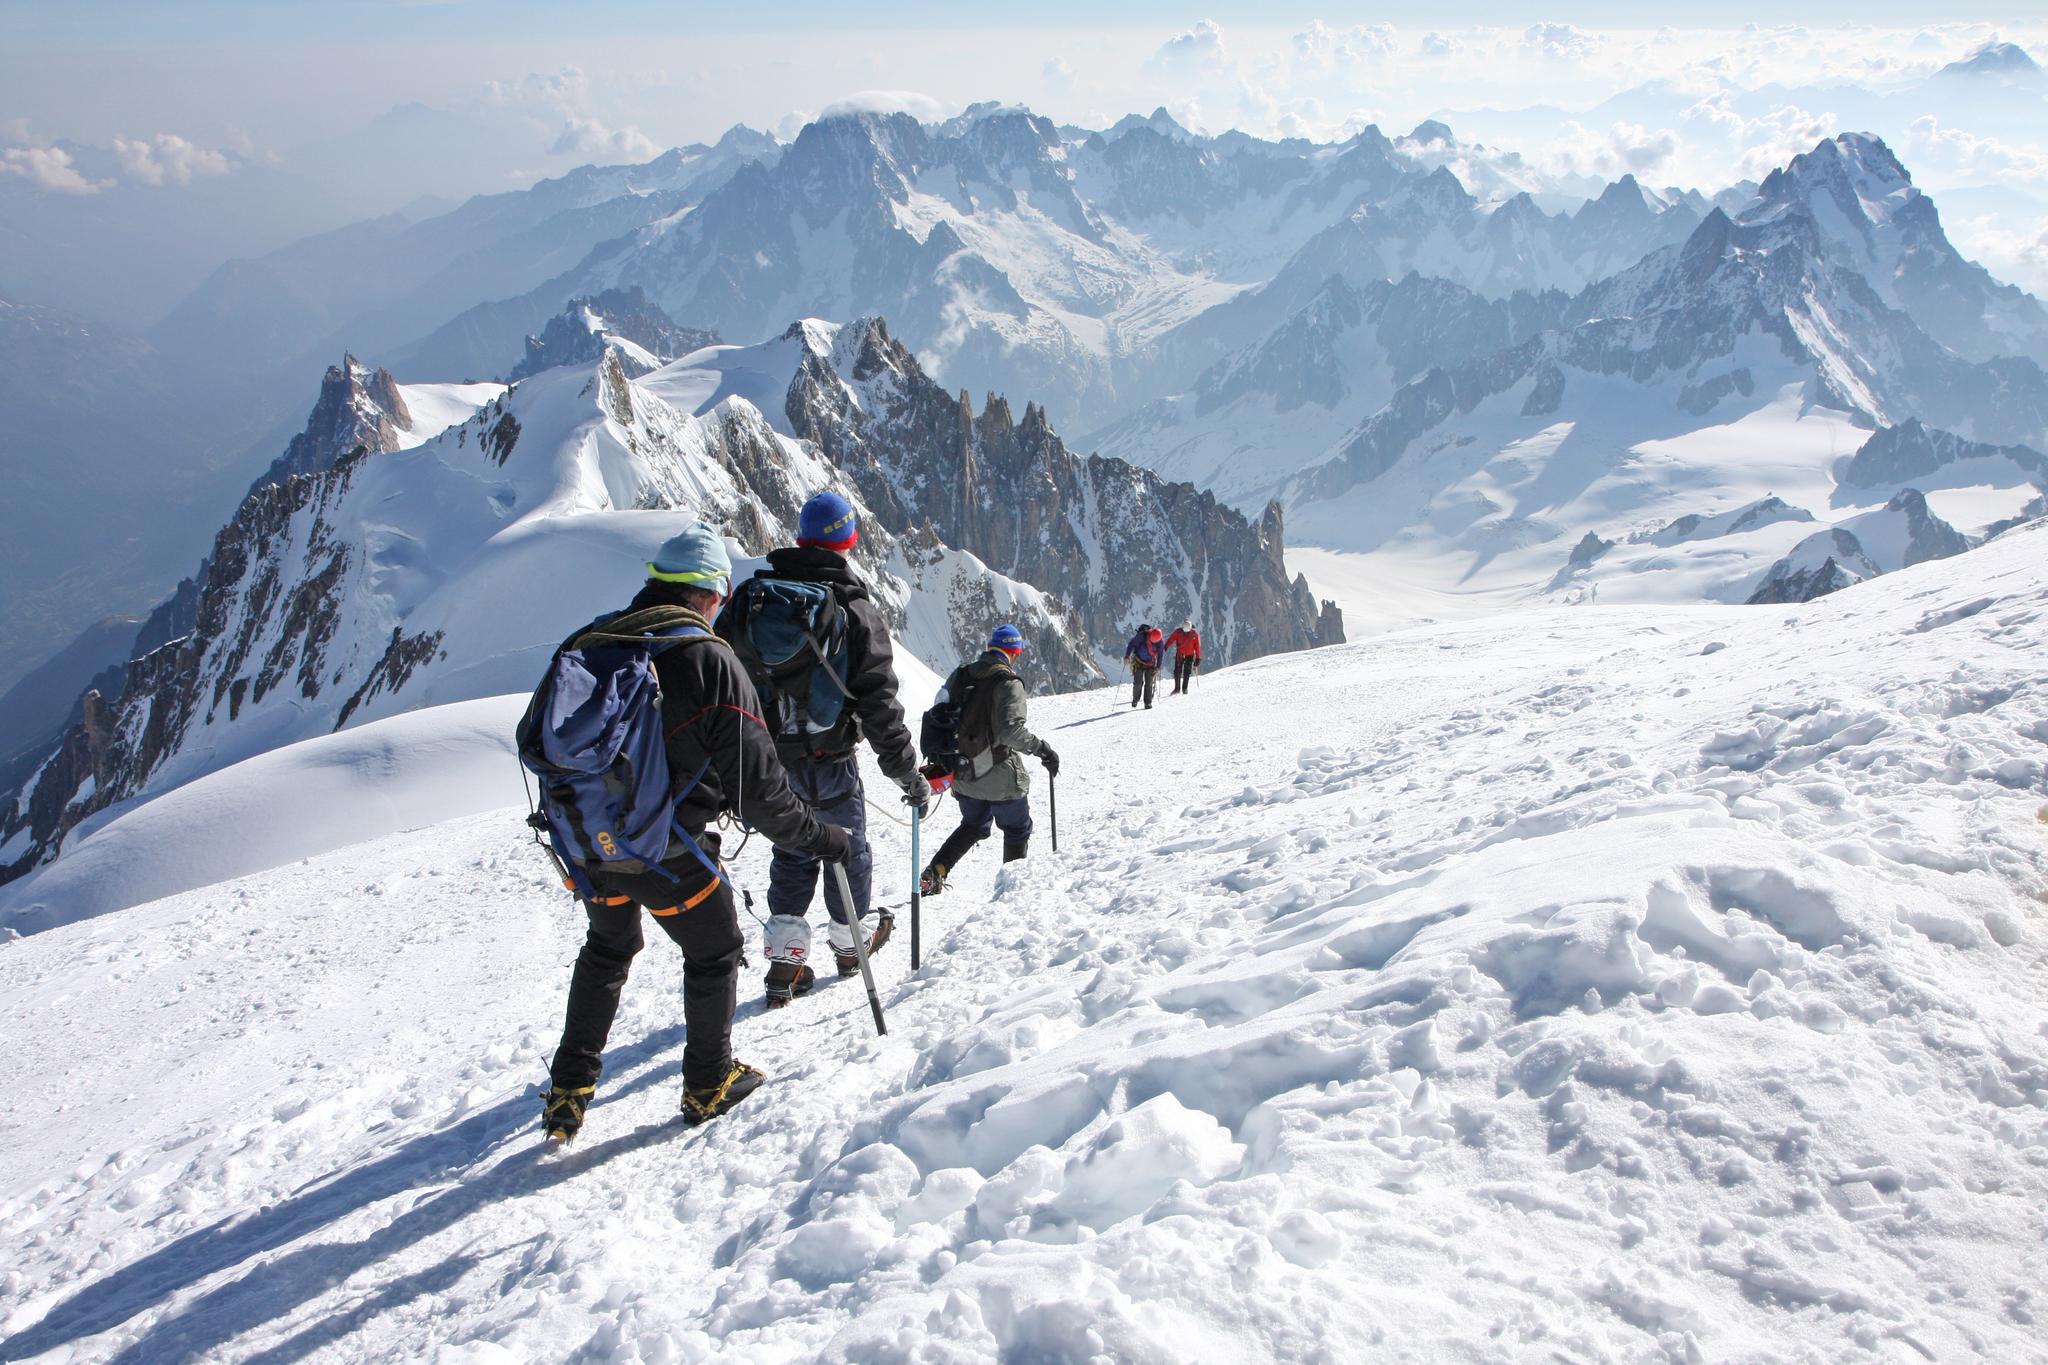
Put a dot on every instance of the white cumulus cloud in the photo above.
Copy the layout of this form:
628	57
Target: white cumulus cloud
49	167
168	158
592	140
1199	51
1560	42
923	108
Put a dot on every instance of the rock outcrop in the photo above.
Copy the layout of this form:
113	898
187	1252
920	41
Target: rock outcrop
1114	541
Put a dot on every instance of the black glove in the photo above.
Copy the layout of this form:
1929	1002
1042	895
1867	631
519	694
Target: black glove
917	794
1050	759
833	845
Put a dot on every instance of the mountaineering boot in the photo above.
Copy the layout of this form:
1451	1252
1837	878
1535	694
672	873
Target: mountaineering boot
561	1115
788	980
933	881
848	961
702	1103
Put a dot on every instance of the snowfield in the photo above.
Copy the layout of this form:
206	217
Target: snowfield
1612	983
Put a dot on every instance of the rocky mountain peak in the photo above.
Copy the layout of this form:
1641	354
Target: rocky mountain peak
594	323
359	409
1914	450
1428	131
1857	172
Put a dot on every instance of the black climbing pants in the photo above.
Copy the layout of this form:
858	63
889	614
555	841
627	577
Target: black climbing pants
1184	671
1144	680
708	932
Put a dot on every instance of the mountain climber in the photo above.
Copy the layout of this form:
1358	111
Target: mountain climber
711	723
836	683
1186	644
991	783
1142	656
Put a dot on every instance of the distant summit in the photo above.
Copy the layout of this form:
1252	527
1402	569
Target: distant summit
2008	63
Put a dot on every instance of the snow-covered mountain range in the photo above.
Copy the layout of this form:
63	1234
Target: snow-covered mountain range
424	544
1196	304
1479	443
1656	395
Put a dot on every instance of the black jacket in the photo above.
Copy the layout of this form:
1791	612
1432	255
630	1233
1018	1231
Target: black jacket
870	660
708	708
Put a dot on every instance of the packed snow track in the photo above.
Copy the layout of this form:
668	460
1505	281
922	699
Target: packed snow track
1602	983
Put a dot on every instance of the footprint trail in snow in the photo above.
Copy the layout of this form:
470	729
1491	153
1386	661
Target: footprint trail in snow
1591	983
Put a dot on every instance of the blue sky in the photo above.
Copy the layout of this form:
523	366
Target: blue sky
102	23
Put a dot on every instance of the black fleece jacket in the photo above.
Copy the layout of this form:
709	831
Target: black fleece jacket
708	709
870	660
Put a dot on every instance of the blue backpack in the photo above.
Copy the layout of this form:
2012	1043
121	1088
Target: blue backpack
593	737
791	637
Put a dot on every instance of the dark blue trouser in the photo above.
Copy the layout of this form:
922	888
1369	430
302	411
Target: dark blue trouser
834	791
977	816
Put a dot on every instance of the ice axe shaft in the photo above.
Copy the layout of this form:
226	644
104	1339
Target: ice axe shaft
860	947
1052	792
916	891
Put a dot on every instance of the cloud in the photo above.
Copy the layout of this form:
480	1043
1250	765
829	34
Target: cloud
1768	141
1056	76
1965	155
1623	149
1321	48
591	140
566	91
1200	51
923	108
1560	42
1438	46
48	167
166	158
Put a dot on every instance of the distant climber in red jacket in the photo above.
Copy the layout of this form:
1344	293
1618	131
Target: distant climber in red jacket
1186	644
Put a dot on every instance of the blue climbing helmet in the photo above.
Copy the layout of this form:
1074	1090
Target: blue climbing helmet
1008	639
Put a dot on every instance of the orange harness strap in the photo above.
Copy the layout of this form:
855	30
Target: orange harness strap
691	904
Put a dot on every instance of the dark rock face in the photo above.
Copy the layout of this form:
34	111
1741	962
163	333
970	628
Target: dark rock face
1895	237
1833	559
1912	450
1115	542
1783	584
569	338
1927	536
259	575
358	409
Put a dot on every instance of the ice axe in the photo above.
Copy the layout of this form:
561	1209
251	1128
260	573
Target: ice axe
860	947
916	890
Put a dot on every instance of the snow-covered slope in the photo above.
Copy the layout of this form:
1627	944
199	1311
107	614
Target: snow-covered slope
1605	984
410	771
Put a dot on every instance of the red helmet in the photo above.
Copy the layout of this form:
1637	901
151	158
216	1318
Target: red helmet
1155	633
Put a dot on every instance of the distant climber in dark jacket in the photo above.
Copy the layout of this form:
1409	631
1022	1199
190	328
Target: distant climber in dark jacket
712	722
1142	656
992	785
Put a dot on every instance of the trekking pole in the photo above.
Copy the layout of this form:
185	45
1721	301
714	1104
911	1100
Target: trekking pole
916	887
860	948
1052	791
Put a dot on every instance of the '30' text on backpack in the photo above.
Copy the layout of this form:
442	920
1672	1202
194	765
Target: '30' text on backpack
592	736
